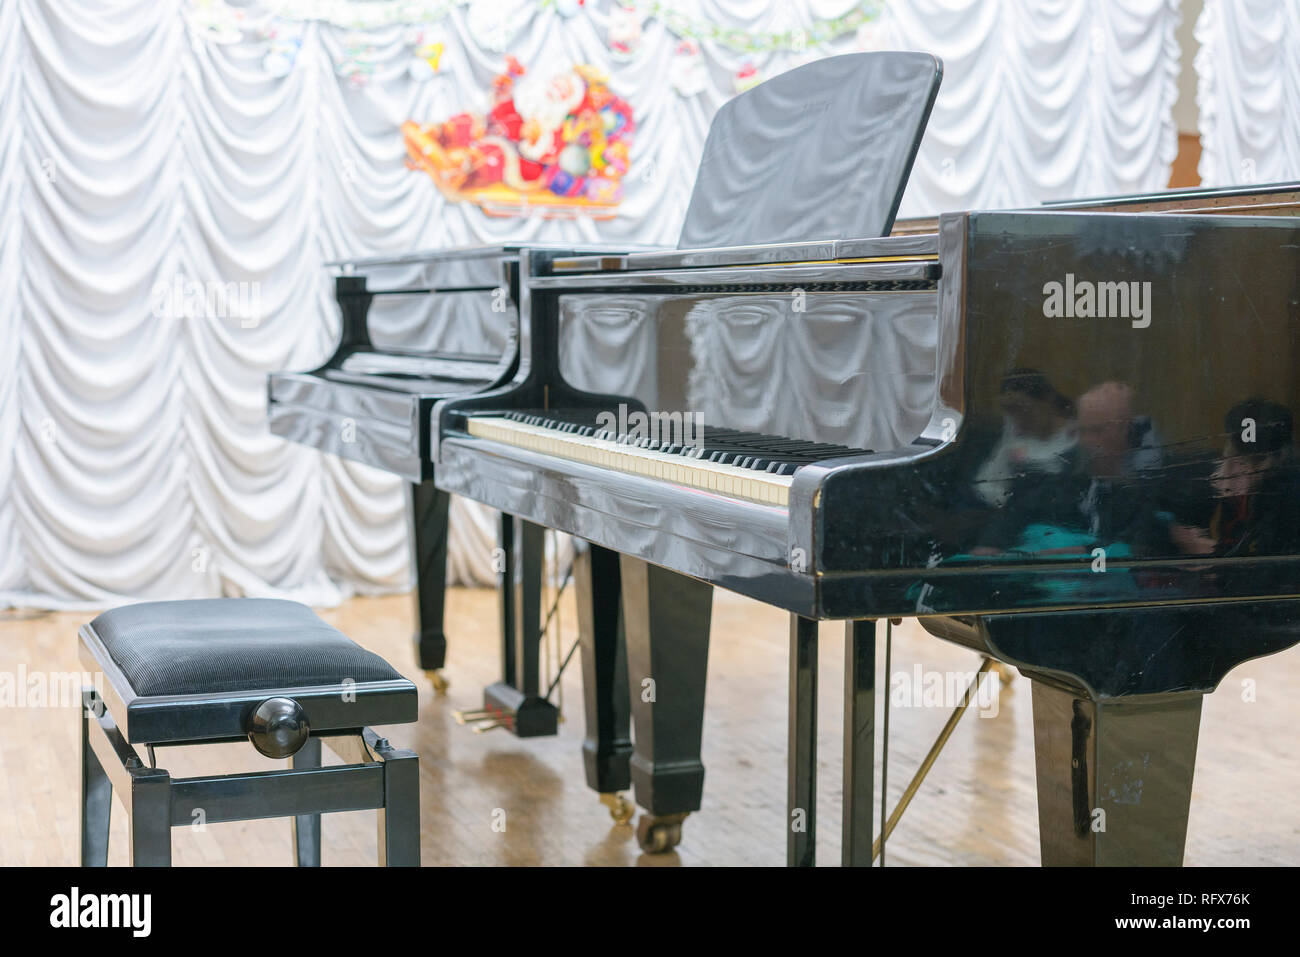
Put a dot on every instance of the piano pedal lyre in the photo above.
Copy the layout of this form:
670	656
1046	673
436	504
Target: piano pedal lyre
620	808
438	678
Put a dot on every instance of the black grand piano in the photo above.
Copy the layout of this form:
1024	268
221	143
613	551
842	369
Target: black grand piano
1062	437
415	329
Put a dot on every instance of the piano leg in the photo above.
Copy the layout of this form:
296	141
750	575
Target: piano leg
801	764
608	746
1114	776
859	742
518	695
666	619
506	595
427	511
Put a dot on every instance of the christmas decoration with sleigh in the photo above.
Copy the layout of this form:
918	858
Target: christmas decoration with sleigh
557	147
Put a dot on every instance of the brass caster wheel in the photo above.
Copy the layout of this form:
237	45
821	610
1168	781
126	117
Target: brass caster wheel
659	835
439	681
620	808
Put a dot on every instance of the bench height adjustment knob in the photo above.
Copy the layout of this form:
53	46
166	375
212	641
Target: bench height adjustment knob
278	727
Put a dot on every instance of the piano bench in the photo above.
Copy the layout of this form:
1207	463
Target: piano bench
219	670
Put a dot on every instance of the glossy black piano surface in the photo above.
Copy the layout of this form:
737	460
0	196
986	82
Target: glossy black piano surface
1010	466
413	329
1007	446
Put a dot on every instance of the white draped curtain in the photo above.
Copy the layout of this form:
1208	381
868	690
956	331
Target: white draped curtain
1248	91
136	150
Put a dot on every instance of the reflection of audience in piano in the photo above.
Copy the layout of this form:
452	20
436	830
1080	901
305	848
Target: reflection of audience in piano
1039	436
1116	441
1102	501
1255	487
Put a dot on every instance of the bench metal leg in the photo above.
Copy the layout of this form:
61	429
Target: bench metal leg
377	776
96	791
146	792
399	818
306	827
151	817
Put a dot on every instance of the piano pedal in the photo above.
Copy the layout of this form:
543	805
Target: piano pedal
473	715
659	835
620	808
439	681
527	715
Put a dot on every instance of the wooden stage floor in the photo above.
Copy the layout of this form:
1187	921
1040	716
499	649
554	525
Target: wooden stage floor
976	808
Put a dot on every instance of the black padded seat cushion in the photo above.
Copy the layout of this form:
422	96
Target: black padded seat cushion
219	645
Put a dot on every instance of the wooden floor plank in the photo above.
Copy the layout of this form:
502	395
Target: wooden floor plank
977	806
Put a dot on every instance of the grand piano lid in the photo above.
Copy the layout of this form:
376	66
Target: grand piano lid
1193	198
1260	199
833	140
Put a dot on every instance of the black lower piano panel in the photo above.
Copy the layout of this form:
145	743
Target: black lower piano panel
1117	709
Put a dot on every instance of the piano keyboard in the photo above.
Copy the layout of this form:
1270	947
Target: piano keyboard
746	465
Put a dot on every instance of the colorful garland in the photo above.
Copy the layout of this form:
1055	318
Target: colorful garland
376	14
797	40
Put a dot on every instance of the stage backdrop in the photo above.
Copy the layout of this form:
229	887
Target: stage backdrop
151	148
1248	92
